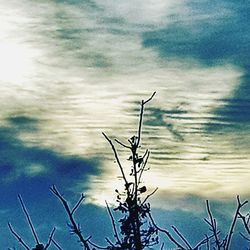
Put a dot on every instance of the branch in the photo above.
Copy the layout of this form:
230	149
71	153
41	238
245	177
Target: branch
245	222
212	224
28	219
243	236
167	233
239	206
113	223
202	242
116	157
56	244
182	237
76	230
149	195
96	246
78	204
147	154
50	238
149	99
122	144
141	116
17	237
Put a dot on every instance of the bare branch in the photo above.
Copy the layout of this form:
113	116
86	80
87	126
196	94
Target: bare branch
239	206
212	223
149	195
245	222
182	237
56	244
243	236
149	99
141	117
78	204
204	241
167	233
146	155
18	237
116	157
113	224
28	219
50	239
109	241
76	230
122	144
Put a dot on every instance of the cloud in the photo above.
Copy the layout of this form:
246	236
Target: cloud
19	160
210	35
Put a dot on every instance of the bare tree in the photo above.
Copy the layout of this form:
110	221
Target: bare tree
135	228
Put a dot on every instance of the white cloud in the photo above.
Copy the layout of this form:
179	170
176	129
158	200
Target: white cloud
144	12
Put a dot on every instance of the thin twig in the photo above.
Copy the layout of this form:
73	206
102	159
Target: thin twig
149	195
239	206
78	204
18	237
50	239
141	116
28	219
116	157
96	246
182	237
56	244
245	222
202	242
162	246
150	98
147	153
109	241
113	224
122	144
212	224
167	233
76	230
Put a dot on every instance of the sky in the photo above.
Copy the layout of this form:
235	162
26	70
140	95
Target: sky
70	70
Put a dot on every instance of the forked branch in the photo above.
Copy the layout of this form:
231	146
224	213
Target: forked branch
75	229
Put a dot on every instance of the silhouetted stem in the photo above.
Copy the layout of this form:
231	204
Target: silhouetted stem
116	157
202	242
167	233
213	226
78	204
50	239
71	218
245	222
28	219
141	116
182	237
113	224
149	195
146	155
18	237
56	244
239	206
122	144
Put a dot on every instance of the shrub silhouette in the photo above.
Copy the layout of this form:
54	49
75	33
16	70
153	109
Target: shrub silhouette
136	228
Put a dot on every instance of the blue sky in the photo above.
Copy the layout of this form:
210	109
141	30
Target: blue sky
73	69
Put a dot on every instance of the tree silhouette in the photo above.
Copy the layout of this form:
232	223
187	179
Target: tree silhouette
135	228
